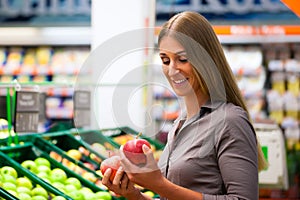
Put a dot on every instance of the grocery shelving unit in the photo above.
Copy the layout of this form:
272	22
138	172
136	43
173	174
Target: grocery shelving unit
48	57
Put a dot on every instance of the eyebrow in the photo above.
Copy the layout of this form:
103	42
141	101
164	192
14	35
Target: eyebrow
177	53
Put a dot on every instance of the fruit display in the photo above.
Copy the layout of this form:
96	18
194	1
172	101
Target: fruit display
71	159
53	174
21	185
78	150
98	142
66	166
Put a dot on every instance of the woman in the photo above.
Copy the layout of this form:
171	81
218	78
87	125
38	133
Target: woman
212	150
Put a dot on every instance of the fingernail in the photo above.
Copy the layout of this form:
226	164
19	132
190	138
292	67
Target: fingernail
146	148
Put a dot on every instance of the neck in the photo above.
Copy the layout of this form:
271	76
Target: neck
193	108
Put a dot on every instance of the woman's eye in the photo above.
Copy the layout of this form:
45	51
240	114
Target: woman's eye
165	61
183	60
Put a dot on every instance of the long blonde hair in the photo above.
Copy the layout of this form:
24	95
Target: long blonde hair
196	34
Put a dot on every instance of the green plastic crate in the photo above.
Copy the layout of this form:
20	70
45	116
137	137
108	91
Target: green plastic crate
124	130
47	147
91	137
30	151
50	148
21	139
66	140
12	156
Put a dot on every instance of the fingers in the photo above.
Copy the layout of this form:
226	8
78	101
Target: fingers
120	182
118	176
124	182
146	149
106	175
149	166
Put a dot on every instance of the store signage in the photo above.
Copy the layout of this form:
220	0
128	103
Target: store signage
82	108
293	5
221	6
258	30
27	111
44	7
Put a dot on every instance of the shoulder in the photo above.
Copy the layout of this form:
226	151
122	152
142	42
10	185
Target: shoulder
235	116
234	111
236	121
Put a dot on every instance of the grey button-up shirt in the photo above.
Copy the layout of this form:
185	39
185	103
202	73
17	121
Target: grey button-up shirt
213	153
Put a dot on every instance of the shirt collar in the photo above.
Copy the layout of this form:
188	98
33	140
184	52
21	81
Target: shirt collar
207	107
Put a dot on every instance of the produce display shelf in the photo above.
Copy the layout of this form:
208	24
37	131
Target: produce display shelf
65	141
13	156
112	133
91	137
59	143
31	151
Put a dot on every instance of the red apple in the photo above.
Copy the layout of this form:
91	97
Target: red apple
113	163
134	152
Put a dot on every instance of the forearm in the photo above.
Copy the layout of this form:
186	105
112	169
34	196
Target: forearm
174	192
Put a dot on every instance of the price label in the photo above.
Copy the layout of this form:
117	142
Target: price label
82	99
26	122
82	108
27	111
82	117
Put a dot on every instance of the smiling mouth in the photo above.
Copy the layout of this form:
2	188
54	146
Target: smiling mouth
180	81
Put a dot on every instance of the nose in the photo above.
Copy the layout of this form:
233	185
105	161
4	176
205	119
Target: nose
173	70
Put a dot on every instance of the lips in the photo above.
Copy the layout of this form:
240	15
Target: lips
179	81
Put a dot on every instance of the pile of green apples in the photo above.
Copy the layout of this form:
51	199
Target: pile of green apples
22	187
58	178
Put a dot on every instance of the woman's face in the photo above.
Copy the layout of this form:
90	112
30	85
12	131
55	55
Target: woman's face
177	69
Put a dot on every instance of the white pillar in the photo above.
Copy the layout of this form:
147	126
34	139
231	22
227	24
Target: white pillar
118	30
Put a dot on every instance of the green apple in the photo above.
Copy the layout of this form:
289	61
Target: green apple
103	195
9	178
58	198
24	182
42	175
69	188
40	161
60	186
58	175
9	170
43	168
74	181
24	196
30	165
9	186
90	196
87	193
76	195
38	197
39	191
23	190
84	190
